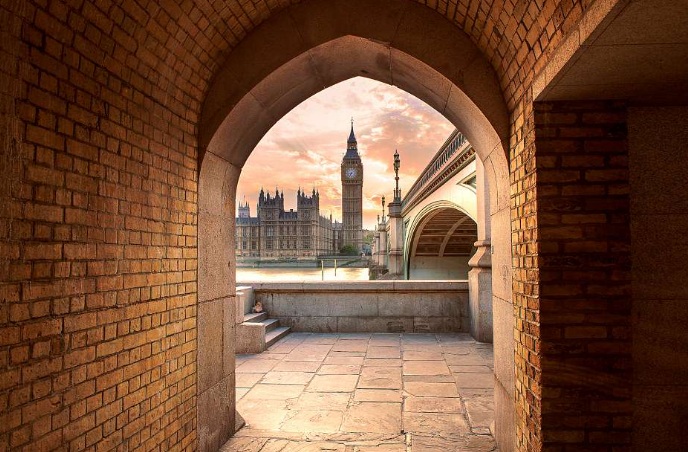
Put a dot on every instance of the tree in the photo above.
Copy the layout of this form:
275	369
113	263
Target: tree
349	250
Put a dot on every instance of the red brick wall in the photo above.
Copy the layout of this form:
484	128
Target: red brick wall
98	115
581	331
98	233
525	279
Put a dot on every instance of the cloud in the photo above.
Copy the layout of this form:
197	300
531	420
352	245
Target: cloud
304	149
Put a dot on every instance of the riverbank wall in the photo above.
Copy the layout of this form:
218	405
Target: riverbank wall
368	306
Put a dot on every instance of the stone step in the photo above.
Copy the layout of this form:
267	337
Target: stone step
270	324
255	317
275	335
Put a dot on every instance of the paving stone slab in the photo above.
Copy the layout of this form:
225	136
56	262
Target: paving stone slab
274	392
426	368
333	358
262	414
435	423
383	352
333	383
380	378
382	362
373	417
377	395
350	346
422	355
326	421
241	392
433	405
288	378
421	389
470	369
321	400
297	366
282	348
247	380
397	447
257	366
354	336
430	378
476	443
474	380
238	444
339	369
480	412
470	359
385	340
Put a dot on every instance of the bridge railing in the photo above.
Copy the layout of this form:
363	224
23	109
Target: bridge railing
453	155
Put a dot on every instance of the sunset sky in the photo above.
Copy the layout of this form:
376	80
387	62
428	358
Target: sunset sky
305	148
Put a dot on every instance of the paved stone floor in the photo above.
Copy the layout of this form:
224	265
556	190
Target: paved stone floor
366	392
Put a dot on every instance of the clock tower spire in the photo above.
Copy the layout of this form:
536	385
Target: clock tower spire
352	194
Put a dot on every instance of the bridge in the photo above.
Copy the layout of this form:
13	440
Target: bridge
439	230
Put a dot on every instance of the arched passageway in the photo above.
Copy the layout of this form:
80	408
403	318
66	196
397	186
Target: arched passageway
441	245
116	234
417	51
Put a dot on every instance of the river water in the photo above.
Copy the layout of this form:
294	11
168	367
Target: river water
249	275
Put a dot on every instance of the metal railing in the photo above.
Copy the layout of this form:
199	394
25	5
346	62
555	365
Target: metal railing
452	156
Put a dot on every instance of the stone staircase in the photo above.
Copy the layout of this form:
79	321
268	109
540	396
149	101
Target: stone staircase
271	327
256	332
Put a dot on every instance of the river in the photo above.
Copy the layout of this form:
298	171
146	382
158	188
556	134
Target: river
249	275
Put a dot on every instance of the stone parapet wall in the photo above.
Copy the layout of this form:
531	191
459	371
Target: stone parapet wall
370	306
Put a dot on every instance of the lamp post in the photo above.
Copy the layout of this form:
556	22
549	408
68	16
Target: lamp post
383	208
397	164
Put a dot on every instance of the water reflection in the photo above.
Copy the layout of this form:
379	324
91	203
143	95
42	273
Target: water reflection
248	275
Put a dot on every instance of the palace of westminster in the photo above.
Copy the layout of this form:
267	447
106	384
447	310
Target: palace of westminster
304	233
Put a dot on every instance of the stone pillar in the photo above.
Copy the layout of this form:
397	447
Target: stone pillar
396	239
382	241
216	304
480	275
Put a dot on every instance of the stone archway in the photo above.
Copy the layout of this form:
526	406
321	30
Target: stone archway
307	48
441	245
422	216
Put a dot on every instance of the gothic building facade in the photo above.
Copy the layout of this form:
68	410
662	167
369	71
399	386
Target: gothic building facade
275	233
303	234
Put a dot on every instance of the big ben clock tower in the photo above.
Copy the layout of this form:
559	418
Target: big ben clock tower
352	194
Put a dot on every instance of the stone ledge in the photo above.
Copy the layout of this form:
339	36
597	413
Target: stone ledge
362	286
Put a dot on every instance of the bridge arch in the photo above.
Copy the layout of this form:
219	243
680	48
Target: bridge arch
440	242
304	49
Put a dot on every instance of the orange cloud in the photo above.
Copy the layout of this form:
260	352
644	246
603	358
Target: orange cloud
304	149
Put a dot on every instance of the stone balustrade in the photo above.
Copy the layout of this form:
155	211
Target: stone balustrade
368	306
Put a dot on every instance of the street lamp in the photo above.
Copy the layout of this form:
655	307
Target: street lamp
383	208
397	164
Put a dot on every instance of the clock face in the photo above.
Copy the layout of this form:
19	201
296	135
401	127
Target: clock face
351	173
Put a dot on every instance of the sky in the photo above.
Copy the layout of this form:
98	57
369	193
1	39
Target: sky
305	148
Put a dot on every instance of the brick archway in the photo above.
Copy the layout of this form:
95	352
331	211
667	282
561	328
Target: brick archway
413	48
103	111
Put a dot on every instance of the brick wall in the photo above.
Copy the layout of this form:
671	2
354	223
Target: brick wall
525	279
98	120
581	332
98	232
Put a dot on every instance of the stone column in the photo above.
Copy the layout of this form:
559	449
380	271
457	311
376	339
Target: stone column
382	244
480	275
215	384
396	239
